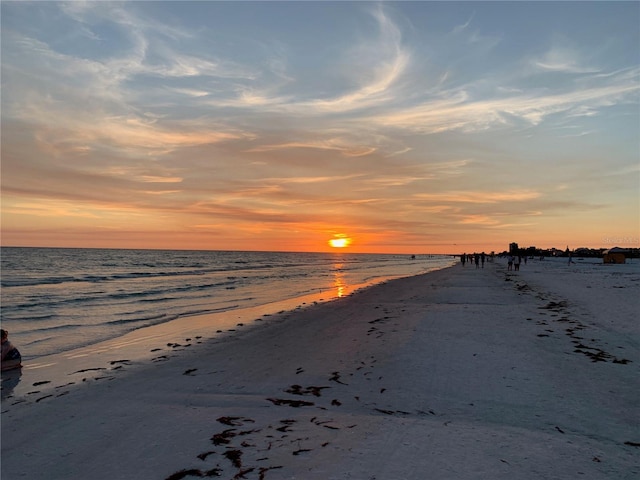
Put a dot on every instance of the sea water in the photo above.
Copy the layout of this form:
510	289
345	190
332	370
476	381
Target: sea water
56	299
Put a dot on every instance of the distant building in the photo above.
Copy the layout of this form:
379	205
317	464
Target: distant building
615	255
513	247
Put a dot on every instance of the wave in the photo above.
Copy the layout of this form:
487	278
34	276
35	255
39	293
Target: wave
190	313
163	294
162	316
54	328
29	318
31	281
193	270
159	300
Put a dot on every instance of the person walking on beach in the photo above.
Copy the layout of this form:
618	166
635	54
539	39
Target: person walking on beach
11	357
482	259
477	259
516	262
510	262
463	258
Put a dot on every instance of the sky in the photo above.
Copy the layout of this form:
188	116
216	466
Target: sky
373	127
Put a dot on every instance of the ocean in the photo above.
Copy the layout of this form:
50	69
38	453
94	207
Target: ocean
55	300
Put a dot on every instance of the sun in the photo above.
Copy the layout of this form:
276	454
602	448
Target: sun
340	241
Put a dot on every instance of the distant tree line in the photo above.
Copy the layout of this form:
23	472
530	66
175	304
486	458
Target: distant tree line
582	252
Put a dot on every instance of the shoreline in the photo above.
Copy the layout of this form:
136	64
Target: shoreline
143	346
458	373
94	296
154	343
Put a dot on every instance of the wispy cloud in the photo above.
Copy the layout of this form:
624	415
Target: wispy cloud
305	180
563	59
154	179
462	27
480	197
330	144
460	112
382	62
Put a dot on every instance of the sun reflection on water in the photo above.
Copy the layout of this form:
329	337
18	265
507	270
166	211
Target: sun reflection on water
339	280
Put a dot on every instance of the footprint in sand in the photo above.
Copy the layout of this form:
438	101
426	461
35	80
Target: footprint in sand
298	390
335	377
290	403
89	370
234	421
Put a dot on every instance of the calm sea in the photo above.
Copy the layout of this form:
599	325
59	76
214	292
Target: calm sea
55	300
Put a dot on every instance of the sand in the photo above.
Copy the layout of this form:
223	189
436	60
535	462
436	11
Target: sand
457	374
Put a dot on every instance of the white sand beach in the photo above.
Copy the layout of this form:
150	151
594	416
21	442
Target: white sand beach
462	373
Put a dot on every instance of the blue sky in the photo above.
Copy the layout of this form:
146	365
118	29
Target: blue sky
406	127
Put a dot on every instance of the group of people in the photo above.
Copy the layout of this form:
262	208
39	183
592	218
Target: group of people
477	258
513	261
11	358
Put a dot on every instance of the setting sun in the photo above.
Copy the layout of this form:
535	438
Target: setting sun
340	241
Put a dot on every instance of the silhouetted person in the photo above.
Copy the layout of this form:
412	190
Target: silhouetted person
11	357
